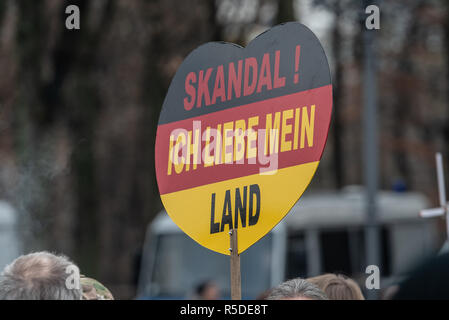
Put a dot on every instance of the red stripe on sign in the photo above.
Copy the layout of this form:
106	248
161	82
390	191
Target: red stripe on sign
301	119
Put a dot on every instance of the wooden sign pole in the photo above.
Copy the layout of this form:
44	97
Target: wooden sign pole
236	280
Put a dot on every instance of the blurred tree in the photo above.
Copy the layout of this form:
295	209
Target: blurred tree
445	124
336	8
285	11
84	121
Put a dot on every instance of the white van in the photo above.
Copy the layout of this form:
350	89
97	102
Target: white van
9	240
322	233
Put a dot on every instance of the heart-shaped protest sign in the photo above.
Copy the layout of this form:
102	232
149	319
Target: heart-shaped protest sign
241	133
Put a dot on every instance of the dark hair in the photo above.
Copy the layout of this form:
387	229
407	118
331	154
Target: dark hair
427	281
201	288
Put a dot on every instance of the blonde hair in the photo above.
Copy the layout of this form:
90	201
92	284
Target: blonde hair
338	287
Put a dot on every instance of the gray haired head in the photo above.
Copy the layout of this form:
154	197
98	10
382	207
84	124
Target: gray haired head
39	276
296	288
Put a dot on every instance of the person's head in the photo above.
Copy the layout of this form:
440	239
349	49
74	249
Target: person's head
296	289
94	290
208	290
427	280
40	276
338	287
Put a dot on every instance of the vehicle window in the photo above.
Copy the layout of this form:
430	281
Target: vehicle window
296	256
343	251
181	264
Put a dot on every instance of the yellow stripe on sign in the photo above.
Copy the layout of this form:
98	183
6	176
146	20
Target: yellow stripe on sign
255	203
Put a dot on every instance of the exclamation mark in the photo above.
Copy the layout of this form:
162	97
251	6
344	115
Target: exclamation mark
297	54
